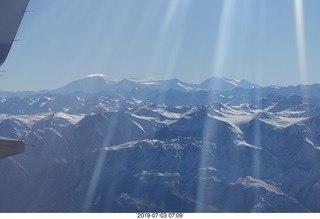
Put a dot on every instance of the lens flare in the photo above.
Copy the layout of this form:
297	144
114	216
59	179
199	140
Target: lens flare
224	36
175	14
219	60
94	180
299	20
226	40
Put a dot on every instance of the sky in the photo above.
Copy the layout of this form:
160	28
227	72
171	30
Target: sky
268	42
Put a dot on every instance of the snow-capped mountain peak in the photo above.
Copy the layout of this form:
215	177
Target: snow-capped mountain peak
216	83
90	84
132	83
107	79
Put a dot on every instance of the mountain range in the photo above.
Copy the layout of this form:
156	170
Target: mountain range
137	145
98	83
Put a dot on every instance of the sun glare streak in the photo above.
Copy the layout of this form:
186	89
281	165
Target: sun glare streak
224	34
94	180
170	14
202	194
301	47
258	69
299	20
175	13
208	134
258	61
97	37
219	60
225	40
95	177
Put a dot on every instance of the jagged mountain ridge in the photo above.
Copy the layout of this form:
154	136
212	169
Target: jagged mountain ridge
163	150
98	83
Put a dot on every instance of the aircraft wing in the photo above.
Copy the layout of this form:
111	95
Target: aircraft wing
11	14
10	147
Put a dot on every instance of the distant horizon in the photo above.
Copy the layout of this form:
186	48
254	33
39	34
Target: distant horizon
107	77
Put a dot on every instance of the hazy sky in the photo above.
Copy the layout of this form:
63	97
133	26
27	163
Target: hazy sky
257	40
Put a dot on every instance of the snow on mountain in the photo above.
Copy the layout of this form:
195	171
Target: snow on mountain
113	128
179	98
162	146
77	103
89	84
177	174
133	83
216	83
160	113
213	83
